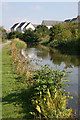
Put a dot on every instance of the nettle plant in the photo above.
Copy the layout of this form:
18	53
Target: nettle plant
50	98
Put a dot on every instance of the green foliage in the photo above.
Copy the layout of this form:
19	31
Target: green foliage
75	33
15	34
42	31
52	106
30	36
55	30
19	35
65	37
44	41
11	35
61	32
19	43
3	34
48	95
47	78
50	99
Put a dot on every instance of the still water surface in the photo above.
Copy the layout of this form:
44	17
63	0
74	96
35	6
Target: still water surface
59	61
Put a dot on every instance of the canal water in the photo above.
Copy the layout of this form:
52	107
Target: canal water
59	61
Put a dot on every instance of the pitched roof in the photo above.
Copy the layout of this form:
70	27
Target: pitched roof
68	20
73	19
27	24
50	23
14	25
21	24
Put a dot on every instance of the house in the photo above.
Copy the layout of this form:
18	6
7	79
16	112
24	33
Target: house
29	25
49	23
21	27
68	20
14	27
73	20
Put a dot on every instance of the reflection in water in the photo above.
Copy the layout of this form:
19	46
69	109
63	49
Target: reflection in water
60	61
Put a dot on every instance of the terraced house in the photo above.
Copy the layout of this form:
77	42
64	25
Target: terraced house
14	27
73	20
21	27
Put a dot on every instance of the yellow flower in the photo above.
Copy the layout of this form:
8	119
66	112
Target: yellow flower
38	108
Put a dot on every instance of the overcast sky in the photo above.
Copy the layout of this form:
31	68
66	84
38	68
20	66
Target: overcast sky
35	12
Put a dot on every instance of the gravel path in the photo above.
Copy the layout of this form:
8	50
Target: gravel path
2	45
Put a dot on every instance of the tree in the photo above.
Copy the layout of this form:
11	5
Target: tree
55	30
3	33
19	35
15	34
42	30
11	35
30	36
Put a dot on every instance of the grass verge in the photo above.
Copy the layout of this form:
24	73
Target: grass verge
15	99
0	84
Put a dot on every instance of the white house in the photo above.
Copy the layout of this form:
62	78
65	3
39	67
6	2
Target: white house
73	20
49	23
21	27
29	25
14	27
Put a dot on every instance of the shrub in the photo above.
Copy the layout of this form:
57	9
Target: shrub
3	34
30	36
51	107
42	31
15	34
50	99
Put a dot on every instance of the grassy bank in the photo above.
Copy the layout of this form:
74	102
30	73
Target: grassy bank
0	83
10	87
15	98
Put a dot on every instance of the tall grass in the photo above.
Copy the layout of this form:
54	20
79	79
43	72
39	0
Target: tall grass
19	43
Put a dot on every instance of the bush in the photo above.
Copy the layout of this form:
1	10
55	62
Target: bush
50	99
15	34
3	34
55	30
42	31
30	36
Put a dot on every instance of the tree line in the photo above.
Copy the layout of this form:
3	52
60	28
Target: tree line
59	31
61	35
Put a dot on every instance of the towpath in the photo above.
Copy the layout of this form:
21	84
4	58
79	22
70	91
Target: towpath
2	45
